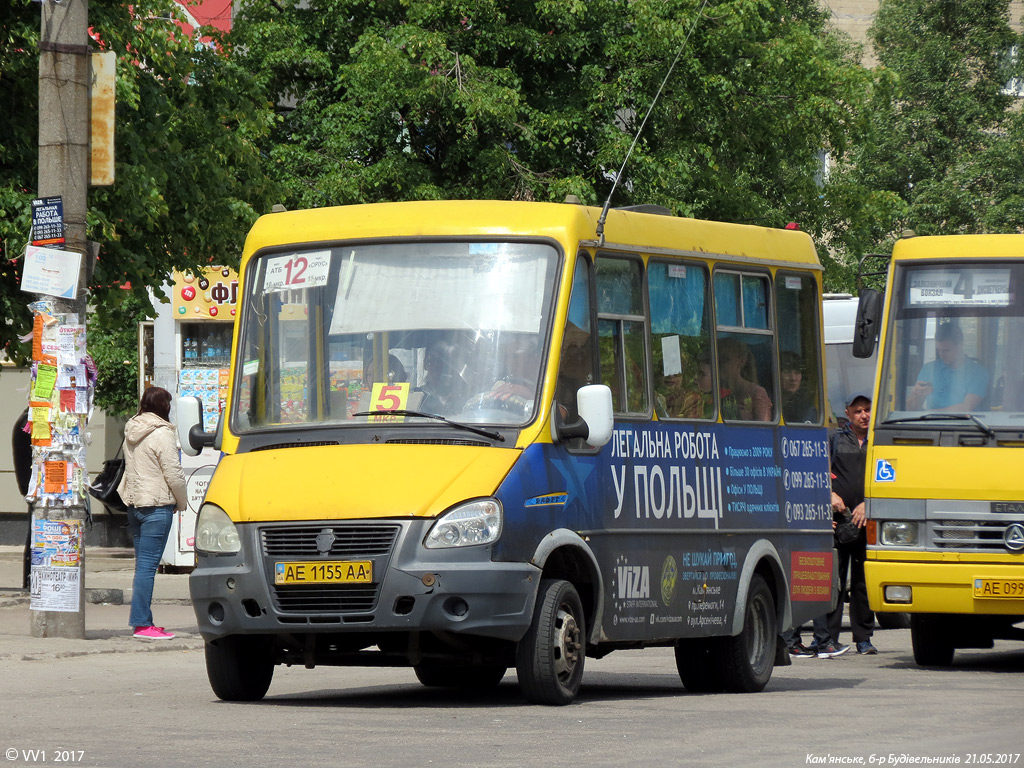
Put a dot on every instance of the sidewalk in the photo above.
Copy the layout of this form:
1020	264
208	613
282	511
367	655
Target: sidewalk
108	590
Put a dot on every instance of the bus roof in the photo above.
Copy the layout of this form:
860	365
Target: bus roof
959	247
563	222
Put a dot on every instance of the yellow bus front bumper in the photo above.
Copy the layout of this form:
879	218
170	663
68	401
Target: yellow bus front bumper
942	587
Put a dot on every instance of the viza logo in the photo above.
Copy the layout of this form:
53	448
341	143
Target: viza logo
634	581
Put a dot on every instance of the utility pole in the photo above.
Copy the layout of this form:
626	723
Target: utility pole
63	173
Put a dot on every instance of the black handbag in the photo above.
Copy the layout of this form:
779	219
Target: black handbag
846	532
104	487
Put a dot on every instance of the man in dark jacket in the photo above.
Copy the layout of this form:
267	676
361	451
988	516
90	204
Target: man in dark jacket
848	453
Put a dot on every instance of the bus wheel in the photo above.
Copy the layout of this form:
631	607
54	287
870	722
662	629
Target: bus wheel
549	658
240	667
747	659
473	677
699	664
929	635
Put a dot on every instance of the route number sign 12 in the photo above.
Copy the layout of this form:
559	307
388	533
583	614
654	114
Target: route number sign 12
297	270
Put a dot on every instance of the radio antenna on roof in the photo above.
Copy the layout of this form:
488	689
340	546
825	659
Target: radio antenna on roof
629	152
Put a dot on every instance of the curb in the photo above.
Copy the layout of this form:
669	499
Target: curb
122	642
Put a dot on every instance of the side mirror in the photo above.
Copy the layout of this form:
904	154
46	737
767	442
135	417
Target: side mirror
869	317
191	436
594	403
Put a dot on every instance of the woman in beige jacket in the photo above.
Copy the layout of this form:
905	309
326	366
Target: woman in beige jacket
153	487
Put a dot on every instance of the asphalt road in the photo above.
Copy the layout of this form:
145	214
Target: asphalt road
153	706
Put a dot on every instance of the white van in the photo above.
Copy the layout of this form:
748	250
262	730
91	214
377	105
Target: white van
845	374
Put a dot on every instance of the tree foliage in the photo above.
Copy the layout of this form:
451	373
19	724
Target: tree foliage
19	64
420	99
189	178
944	156
322	102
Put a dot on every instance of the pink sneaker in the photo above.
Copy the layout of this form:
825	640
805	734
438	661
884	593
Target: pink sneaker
152	633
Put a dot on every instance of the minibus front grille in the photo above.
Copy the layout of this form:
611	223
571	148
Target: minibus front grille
973	535
300	541
326	598
326	541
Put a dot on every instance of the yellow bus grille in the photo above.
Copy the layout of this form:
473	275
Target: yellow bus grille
973	535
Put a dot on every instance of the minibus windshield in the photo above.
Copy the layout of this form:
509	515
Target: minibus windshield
954	347
379	333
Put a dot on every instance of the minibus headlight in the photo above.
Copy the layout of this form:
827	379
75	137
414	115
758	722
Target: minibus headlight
215	533
899	533
477	522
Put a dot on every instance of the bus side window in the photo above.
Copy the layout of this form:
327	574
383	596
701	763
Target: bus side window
797	302
680	340
576	366
746	346
621	327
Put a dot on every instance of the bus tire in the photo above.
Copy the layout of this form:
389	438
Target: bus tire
930	638
698	662
549	658
472	677
240	667
748	658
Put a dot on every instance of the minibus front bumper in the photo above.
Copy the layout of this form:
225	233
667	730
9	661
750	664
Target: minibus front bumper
413	589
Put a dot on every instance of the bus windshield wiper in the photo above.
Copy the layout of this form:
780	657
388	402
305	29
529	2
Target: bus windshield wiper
985	428
457	424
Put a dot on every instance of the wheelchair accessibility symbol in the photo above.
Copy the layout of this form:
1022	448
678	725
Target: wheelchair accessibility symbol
885	471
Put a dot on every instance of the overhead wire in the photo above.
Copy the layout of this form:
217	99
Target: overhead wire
615	182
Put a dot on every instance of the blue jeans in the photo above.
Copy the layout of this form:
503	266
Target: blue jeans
149	527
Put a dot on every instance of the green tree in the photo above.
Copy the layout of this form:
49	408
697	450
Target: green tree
944	156
19	65
537	99
189	178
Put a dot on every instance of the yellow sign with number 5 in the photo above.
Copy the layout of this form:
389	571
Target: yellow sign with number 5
389	397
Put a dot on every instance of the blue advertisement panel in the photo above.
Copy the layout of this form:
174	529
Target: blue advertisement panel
671	511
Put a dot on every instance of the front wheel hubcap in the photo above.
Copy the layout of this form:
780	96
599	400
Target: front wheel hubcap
567	645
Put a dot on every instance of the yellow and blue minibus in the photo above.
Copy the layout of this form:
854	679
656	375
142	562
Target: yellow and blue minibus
471	436
944	486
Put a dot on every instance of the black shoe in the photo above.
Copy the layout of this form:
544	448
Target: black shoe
831	649
800	651
865	647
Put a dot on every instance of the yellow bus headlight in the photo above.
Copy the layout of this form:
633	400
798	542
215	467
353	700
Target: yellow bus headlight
216	534
899	533
476	522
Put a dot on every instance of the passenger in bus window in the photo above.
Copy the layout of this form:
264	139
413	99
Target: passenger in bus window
797	403
743	398
952	381
679	398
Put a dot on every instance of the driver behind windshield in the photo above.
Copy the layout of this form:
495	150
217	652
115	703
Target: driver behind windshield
514	390
952	381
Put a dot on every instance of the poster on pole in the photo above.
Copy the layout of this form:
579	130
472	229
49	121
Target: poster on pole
56	565
51	272
48	221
